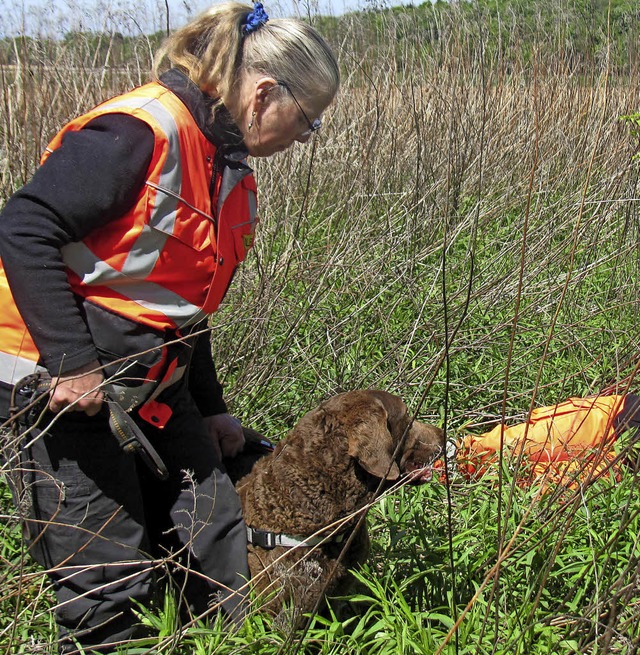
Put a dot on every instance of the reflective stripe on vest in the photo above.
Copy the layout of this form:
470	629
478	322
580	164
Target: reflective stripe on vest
15	368
147	249
144	293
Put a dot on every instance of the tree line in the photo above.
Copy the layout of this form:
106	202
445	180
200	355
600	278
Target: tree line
579	32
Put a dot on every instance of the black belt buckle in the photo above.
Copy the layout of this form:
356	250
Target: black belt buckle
262	538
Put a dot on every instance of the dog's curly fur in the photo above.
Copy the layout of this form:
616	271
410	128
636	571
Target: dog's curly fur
328	468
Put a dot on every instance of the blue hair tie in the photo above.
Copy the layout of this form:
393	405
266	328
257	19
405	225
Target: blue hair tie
255	19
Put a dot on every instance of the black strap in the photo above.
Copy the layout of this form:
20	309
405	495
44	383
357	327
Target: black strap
133	440
268	540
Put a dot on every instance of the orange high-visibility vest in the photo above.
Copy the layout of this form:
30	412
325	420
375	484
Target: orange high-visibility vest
567	443
168	261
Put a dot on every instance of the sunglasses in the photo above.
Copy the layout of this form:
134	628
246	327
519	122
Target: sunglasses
317	123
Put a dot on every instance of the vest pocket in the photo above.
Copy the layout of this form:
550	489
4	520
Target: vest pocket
171	216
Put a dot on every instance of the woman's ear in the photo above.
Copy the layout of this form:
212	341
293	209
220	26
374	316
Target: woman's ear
258	98
262	88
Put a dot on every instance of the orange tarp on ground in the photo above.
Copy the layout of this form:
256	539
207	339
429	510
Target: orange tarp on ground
567	443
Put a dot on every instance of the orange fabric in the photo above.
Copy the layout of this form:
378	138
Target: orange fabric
18	352
203	243
15	342
566	443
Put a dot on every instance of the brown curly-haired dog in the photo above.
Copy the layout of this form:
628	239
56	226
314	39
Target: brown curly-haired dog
321	474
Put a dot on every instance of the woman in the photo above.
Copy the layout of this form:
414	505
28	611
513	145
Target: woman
113	256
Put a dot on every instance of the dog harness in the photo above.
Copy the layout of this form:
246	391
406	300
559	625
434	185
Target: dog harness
269	540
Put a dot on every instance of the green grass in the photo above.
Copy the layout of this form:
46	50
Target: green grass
567	563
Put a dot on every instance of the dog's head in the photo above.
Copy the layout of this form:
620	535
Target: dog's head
382	437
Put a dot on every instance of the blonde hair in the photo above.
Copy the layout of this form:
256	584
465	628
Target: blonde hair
213	51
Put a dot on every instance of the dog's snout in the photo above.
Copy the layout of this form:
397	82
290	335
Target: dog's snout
428	436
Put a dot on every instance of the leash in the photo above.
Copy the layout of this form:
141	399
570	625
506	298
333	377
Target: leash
130	437
133	440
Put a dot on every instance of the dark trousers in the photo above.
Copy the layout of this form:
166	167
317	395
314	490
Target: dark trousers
107	530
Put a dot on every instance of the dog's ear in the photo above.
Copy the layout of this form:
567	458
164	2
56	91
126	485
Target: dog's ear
370	441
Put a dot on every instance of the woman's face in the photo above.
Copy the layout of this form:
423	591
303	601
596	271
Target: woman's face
275	119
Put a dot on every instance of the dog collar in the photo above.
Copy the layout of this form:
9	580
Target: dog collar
268	540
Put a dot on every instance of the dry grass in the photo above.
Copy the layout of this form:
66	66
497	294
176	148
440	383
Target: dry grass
511	188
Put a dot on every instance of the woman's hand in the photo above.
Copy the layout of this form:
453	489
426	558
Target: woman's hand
226	433
78	389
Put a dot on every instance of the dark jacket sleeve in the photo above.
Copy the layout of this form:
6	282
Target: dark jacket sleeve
203	380
94	176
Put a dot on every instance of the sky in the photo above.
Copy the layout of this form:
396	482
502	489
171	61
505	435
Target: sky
55	17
